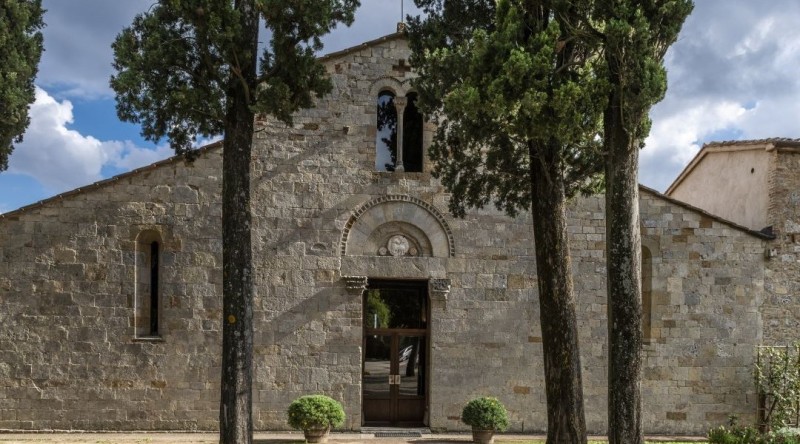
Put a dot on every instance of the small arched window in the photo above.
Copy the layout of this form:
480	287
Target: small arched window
147	303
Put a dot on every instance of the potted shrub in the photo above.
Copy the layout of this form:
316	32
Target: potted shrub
315	415
486	415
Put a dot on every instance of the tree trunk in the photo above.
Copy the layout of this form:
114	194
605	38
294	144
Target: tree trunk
623	247
562	365
235	416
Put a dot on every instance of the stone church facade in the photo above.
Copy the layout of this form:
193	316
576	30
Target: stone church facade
366	289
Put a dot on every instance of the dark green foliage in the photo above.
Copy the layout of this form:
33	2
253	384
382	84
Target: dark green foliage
777	378
513	88
503	80
738	434
733	435
176	61
315	412
377	311
20	51
636	36
485	413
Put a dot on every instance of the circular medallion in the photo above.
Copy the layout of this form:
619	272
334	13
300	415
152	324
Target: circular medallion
398	245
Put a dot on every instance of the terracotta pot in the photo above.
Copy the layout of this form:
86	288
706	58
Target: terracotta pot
316	435
483	436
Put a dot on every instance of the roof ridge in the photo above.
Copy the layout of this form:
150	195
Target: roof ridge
779	141
360	46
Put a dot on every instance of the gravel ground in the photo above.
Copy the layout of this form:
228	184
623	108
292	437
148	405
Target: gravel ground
264	438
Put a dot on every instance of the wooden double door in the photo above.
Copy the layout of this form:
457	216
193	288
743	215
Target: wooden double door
395	364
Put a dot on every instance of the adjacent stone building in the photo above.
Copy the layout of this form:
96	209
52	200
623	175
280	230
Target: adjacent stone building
756	183
366	288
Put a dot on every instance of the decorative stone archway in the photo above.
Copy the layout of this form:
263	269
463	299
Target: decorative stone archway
397	225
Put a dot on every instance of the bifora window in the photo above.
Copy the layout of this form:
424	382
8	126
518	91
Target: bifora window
399	124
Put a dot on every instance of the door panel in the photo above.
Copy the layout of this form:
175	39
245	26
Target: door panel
395	354
375	380
412	366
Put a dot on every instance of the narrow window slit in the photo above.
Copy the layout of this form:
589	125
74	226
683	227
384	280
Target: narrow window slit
154	288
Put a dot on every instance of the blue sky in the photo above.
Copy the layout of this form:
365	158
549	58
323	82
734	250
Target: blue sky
732	75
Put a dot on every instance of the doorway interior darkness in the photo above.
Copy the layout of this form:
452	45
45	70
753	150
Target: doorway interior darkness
395	358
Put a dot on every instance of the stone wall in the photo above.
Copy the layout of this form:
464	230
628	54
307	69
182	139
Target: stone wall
71	359
314	177
708	280
782	302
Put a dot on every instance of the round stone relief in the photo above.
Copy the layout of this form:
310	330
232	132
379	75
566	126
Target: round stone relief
398	245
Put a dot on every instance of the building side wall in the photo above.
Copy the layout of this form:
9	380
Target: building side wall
782	302
68	354
707	286
730	184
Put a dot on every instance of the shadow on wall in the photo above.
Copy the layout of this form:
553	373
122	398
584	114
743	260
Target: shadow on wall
325	302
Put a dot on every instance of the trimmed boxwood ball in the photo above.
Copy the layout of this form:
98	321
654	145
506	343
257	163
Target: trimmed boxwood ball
485	413
315	412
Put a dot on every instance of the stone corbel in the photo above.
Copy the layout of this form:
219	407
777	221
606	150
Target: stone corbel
355	284
439	289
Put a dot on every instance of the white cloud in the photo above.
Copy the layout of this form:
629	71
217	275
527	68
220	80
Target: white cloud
130	156
78	55
679	135
730	77
77	40
754	41
61	158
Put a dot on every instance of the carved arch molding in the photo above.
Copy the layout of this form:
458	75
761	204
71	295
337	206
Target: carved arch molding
397	226
398	87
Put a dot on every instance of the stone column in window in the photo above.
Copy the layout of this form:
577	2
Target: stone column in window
400	105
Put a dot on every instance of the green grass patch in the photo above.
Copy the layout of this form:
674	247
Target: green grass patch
538	441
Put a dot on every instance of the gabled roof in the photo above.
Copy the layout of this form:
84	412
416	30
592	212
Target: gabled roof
361	46
105	182
702	212
770	144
